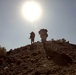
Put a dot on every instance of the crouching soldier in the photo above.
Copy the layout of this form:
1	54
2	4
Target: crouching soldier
43	35
32	36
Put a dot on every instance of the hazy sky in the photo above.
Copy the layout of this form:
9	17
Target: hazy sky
59	17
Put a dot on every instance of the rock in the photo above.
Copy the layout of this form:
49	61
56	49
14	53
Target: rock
6	68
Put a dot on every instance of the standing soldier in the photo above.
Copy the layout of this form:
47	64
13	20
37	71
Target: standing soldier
43	35
32	36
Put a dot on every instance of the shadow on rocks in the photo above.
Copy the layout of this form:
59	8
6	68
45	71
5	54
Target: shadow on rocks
59	59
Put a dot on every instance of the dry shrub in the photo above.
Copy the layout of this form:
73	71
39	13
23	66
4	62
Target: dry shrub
2	51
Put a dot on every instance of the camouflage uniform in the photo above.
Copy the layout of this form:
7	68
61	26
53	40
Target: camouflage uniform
32	36
43	34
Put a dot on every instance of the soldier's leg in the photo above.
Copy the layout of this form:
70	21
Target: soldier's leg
31	41
43	40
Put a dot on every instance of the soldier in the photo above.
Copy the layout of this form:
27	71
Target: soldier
32	36
43	35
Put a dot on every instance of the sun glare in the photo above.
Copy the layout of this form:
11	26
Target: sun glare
31	10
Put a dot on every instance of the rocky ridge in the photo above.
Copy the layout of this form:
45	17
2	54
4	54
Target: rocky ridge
58	58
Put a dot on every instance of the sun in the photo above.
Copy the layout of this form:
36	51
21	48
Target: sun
31	11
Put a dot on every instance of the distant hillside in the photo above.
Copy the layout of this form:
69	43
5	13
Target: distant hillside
56	58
